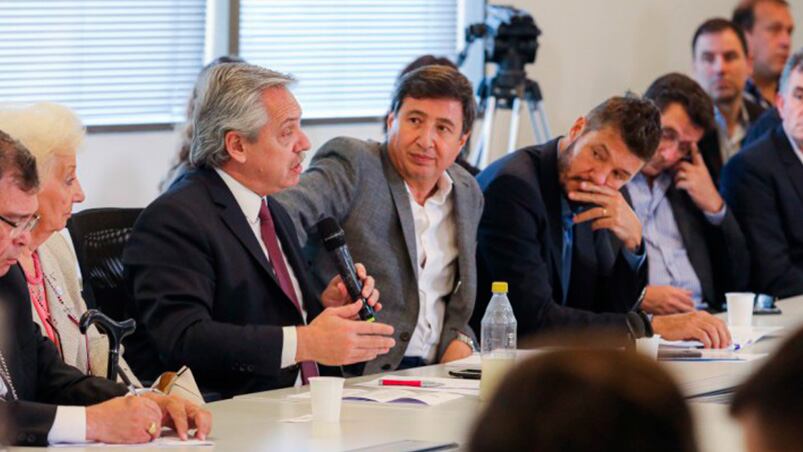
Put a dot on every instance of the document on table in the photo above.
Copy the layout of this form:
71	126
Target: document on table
390	396
717	355
742	337
168	439
450	385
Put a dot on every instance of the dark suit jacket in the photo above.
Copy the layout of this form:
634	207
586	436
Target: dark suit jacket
41	378
709	144
763	184
520	241
718	254
203	292
768	120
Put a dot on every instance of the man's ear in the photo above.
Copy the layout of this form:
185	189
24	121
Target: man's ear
464	139
235	147
390	119
779	101
577	128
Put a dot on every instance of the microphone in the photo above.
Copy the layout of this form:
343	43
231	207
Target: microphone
334	240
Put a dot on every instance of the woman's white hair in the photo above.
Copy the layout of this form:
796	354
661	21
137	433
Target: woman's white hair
45	128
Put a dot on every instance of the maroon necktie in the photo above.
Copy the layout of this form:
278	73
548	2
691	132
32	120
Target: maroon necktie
268	231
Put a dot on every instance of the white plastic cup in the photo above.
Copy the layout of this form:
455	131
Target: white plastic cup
740	308
327	395
648	346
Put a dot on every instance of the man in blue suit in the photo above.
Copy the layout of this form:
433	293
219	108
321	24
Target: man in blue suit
558	230
764	185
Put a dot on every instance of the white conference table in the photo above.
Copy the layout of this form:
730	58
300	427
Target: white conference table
252	423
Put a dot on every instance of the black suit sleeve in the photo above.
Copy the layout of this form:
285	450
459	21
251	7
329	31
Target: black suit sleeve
731	263
171	265
509	250
30	421
41	379
622	287
750	191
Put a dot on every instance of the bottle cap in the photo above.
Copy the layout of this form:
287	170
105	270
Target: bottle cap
499	287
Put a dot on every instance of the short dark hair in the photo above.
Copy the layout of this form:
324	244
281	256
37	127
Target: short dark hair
437	82
18	162
744	15
676	88
586	400
773	395
718	25
637	120
423	60
426	60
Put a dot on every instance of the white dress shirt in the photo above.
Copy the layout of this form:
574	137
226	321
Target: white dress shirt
436	250
250	203
69	425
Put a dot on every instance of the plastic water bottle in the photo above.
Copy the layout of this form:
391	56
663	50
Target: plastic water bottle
497	340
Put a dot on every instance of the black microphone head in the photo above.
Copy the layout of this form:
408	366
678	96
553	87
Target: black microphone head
331	234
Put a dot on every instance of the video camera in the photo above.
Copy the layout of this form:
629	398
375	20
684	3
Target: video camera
510	37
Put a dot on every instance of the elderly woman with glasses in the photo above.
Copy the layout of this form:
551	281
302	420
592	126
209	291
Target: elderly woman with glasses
53	134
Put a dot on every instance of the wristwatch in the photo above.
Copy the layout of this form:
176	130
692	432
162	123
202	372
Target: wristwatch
466	339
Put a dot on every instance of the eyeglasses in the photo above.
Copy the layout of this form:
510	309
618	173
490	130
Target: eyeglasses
21	227
671	136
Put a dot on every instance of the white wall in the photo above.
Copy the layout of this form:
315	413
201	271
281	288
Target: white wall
590	50
124	169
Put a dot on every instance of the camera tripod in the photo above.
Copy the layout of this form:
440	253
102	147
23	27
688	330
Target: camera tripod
506	91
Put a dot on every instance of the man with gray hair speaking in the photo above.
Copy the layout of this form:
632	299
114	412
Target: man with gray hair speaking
214	266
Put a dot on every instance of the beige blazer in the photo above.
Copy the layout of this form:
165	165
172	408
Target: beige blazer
60	267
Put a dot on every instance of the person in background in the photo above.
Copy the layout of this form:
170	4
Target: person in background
53	134
721	66
182	163
769	405
768	26
558	230
580	400
695	248
42	399
764	187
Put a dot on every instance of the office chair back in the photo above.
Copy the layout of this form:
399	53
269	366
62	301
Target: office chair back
99	237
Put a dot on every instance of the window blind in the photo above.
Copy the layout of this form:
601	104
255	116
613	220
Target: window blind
346	54
113	61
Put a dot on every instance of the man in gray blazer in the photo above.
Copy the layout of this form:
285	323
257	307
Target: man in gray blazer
695	248
409	214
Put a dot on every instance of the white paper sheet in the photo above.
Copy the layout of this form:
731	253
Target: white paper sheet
389	396
168	439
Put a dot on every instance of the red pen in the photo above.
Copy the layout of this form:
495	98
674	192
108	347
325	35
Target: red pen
413	383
